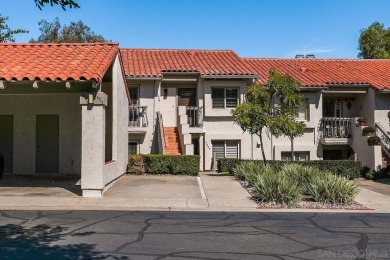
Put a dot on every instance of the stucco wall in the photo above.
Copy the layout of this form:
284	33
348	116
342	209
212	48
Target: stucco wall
148	94
25	108
120	111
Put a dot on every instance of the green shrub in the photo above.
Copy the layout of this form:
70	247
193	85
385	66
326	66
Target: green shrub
301	174
166	164
374	140
347	168
329	188
276	188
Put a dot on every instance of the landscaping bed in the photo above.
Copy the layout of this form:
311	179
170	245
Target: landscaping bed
296	186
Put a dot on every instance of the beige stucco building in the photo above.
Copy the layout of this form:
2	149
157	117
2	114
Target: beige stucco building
182	102
64	110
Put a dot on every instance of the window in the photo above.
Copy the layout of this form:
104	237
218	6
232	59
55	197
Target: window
134	95
133	147
303	110
226	149
224	97
299	156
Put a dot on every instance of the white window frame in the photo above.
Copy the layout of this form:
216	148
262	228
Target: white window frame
138	93
305	105
287	155
224	147
224	97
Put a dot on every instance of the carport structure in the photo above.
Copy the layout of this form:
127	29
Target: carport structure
64	110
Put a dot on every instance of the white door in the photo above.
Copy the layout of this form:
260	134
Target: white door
168	106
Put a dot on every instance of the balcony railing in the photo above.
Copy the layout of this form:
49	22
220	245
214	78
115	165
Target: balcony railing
334	127
195	116
384	136
138	116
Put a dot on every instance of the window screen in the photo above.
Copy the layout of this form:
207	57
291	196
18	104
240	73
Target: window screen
218	98
133	147
231	97
226	149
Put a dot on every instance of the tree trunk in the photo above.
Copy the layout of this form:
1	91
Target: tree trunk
262	146
292	149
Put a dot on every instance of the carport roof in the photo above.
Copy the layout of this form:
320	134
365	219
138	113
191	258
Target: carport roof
56	61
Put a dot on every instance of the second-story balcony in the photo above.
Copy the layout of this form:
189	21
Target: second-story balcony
138	117
334	130
195	116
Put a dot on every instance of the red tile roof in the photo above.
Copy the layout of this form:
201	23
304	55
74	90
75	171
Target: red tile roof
153	62
323	72
64	61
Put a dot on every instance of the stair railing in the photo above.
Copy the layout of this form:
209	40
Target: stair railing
160	133
385	137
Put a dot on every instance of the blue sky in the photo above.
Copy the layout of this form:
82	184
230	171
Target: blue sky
252	28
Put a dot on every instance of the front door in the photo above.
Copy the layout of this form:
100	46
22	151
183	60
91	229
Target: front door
47	144
333	107
187	97
6	141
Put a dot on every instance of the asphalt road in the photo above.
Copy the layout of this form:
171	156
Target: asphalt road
192	235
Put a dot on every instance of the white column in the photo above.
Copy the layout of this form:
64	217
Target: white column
93	120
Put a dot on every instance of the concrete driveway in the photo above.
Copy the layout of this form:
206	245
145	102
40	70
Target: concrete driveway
39	185
149	186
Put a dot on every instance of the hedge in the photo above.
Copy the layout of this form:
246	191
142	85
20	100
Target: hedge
346	168
164	164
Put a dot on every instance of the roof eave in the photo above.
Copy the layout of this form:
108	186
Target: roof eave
229	76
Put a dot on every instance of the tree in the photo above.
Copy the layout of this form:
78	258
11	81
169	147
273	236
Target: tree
273	106
63	3
374	42
6	33
74	32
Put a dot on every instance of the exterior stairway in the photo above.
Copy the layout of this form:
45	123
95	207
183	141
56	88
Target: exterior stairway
172	141
385	159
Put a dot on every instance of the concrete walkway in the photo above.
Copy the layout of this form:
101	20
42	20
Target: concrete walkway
208	192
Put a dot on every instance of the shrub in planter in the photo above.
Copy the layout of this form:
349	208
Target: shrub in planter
368	131
276	188
301	174
247	170
362	121
329	188
166	164
337	167
374	140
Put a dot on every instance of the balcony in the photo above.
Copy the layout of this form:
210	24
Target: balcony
138	119
335	131
194	116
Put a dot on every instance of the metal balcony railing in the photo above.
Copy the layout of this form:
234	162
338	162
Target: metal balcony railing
138	116
195	116
334	127
384	136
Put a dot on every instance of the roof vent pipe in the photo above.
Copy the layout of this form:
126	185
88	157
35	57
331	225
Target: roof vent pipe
299	56
310	56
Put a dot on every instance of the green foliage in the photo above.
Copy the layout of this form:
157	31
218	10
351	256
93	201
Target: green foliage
301	174
6	33
347	168
273	106
285	185
374	42
276	188
368	130
63	3
164	164
329	188
373	140
74	32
